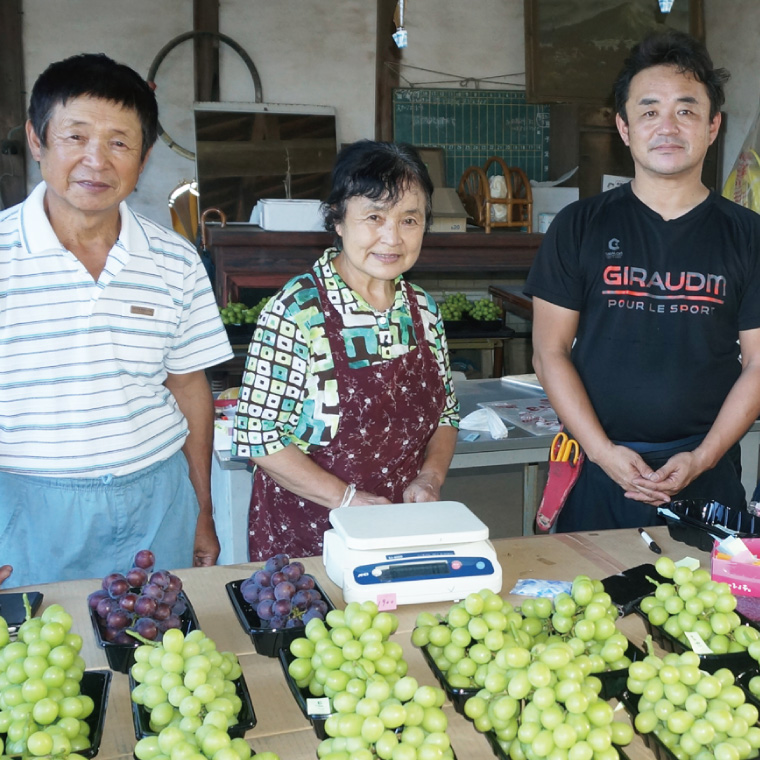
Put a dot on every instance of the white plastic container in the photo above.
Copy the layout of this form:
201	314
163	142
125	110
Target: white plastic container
288	215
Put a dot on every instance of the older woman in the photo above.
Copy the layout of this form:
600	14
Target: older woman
347	396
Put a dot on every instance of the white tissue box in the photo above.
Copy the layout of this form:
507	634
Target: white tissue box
288	215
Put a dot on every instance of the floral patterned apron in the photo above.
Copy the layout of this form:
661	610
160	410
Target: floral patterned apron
388	413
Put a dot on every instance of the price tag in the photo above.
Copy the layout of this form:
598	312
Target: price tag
318	706
386	602
698	643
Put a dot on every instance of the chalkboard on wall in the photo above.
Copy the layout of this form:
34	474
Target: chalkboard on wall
473	125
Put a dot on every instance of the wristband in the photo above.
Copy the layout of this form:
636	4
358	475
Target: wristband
348	495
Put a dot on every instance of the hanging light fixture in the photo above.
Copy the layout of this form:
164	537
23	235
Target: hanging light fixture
400	36
666	5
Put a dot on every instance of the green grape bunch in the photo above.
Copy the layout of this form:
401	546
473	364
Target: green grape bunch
691	602
42	709
456	306
235	313
693	713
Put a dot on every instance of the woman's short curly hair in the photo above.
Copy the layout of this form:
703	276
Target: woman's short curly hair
381	171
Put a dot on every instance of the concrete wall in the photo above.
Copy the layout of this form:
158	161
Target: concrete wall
323	53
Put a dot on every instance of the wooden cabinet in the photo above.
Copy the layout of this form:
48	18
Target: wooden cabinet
246	256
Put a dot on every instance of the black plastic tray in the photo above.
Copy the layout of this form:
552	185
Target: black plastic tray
122	656
302	695
95	684
246	717
267	641
699	518
457	696
736	662
477	328
500	753
628	588
12	607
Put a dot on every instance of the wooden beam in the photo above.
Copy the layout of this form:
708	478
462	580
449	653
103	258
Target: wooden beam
206	58
12	105
386	79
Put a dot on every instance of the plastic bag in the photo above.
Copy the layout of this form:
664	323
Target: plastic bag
743	183
497	185
485	420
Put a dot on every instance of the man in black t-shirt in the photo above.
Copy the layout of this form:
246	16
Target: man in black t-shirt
646	299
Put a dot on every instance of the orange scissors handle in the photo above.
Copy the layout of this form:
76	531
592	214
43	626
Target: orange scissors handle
564	448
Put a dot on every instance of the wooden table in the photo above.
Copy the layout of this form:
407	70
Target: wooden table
280	726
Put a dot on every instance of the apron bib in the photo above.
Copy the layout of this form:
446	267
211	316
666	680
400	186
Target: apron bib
388	413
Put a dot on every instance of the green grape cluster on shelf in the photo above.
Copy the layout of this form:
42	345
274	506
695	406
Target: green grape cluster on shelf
235	313
693	713
378	710
696	604
456	306
42	709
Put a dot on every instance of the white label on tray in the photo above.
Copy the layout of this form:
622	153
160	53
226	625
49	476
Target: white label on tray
697	643
318	706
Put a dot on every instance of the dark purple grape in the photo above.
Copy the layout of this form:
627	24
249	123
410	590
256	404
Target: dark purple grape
179	607
305	582
160	578
171	622
109	635
145	559
127	602
312	613
277	562
137	577
145	606
175	583
277	622
294	623
291	572
110	578
314	595
320	606
249	591
123	638
118	620
266	593
153	591
118	587
262	577
170	596
105	607
163	610
301	600
277	577
281	608
299	565
96	596
284	590
146	627
264	609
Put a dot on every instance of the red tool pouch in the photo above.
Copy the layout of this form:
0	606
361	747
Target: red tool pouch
562	478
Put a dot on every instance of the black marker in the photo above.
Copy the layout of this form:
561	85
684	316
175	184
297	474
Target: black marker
650	541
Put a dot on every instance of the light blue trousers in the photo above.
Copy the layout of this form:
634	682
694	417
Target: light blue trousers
55	529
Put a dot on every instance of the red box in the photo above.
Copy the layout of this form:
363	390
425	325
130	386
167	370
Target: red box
743	578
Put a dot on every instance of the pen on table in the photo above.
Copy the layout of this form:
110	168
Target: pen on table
649	541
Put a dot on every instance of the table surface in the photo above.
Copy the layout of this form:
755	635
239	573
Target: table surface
280	725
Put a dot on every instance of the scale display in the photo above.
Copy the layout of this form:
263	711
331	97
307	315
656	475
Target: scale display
421	569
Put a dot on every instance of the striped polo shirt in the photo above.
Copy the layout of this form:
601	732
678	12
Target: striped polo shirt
82	363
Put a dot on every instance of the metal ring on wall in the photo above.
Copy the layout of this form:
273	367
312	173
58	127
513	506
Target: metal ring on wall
163	134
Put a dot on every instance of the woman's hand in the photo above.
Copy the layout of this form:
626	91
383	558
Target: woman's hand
365	499
425	487
5	572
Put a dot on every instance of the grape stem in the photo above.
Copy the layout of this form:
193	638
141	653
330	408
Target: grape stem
141	638
27	607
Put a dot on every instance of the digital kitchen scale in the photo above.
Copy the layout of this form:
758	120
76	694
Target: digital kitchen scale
409	553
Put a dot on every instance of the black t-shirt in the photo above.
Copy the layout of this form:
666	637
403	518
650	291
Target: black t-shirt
661	305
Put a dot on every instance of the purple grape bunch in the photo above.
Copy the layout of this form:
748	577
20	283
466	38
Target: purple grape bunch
144	600
283	595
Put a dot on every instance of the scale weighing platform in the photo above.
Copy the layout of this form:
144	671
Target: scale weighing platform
409	553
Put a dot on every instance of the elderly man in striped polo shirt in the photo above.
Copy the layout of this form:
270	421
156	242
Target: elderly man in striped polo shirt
107	323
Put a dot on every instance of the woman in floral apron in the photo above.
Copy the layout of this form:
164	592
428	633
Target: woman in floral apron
347	397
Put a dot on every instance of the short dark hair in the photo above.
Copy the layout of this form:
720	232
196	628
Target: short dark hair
377	170
93	75
672	48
